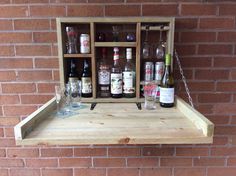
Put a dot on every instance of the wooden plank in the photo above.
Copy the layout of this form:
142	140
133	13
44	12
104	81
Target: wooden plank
198	119
116	124
77	55
93	61
115	44
138	58
156	28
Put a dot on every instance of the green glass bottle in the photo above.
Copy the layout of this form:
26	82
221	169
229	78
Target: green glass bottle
167	85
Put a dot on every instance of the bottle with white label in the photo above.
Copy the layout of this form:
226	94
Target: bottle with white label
129	76
116	76
167	85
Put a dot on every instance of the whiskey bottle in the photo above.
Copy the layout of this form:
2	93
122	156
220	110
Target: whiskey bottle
86	81
73	76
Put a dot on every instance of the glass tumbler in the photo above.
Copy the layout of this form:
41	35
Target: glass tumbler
75	89
150	92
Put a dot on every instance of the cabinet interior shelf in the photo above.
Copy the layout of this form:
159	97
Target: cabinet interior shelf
77	55
115	44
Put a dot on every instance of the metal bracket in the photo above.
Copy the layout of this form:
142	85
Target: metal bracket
93	106
139	106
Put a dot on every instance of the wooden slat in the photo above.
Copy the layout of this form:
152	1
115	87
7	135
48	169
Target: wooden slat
115	44
77	55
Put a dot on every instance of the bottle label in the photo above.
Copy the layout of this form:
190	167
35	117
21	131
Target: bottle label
128	80
103	77
73	79
116	83
167	95
86	85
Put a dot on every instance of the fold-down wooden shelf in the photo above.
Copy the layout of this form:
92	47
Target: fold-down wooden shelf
120	123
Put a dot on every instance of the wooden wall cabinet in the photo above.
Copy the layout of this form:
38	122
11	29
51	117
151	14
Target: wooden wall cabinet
93	26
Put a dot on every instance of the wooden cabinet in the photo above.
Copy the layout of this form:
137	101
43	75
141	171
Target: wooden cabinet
93	26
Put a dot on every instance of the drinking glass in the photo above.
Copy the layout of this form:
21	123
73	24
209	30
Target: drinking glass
150	92
115	33
146	52
59	94
75	88
72	36
160	50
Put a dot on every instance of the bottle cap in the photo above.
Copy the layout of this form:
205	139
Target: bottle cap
168	59
116	49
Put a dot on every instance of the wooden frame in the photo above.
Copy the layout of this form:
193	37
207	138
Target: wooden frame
109	125
138	21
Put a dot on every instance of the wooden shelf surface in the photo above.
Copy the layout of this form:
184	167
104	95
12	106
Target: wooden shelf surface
77	55
120	123
115	44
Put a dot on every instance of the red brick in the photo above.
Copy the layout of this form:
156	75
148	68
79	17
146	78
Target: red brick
185	50
122	172
46	87
189	171
122	10
142	162
104	1
7	51
195	62
16	37
18	110
90	172
190	151
9	99
226	36
32	24
9	121
3	172
35	99
18	88
233	74
55	51
185	23
219	119
6	25
211	74
141	1
21	152
192	37
90	152
222	108
223	151
34	75
156	172
25	172
2	153
35	163
231	161
16	63
28	1
85	10
198	9
109	162
124	152
7	76
33	50
56	152
201	86
160	10
47	11
153	151
226	86
221	171
7	142
56	75
1	135
11	163
46	63
222	140
209	161
68	1
205	109
217	23
75	162
45	37
9	132
57	172
225	130
227	9
187	73
214	97
225	62
176	162
13	11
215	49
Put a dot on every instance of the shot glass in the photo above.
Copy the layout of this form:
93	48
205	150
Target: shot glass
150	92
75	88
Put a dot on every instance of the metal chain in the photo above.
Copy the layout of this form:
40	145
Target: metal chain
184	79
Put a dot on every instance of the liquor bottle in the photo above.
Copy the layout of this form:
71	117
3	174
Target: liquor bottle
129	76
167	85
116	76
104	74
73	76
86	81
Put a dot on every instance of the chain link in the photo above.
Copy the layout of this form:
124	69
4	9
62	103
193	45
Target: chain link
184	79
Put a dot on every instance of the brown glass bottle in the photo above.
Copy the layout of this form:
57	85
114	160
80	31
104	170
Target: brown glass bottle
86	81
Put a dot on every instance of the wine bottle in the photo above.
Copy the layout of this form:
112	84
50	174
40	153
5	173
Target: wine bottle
167	85
129	76
86	81
73	76
104	74
116	76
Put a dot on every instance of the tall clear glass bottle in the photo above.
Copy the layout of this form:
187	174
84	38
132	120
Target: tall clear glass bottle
129	76
116	76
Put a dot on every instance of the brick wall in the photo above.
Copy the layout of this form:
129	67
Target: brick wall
205	39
